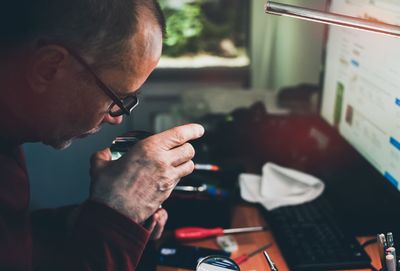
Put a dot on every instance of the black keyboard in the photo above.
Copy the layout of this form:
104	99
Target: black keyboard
311	239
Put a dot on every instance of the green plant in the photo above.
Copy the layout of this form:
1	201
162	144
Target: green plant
195	26
184	27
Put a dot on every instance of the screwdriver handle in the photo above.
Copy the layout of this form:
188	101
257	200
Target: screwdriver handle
193	233
241	259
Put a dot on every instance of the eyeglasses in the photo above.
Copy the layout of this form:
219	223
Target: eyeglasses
119	106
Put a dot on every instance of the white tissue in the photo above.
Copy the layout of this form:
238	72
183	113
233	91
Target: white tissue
279	186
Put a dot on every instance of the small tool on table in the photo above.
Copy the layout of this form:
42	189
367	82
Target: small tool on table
194	233
271	264
242	258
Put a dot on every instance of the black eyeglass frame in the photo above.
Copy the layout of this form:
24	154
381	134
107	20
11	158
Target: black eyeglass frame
126	105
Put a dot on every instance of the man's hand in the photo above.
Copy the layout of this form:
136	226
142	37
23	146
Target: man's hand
140	181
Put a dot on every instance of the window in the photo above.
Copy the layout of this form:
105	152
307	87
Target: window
205	35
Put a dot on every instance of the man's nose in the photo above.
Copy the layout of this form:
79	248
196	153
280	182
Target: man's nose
113	120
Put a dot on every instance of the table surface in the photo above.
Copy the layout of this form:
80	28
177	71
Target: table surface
247	216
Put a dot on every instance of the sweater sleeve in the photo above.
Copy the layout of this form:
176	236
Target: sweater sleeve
101	239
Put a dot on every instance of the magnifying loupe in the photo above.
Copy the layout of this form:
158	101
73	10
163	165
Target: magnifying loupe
122	143
217	263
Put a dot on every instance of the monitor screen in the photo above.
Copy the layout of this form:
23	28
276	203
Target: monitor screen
361	92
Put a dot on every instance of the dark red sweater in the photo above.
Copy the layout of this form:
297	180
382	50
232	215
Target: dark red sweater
101	238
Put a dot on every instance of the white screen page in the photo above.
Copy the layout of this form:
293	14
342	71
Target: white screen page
362	84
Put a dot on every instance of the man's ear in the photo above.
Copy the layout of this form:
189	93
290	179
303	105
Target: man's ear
46	65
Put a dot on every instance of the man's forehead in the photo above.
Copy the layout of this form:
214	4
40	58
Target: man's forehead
142	53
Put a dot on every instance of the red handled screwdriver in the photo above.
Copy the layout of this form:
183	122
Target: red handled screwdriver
242	258
193	233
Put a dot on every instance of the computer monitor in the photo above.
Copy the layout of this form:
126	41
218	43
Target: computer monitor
361	90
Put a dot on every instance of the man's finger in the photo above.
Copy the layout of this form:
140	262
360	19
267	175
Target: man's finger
160	217
181	154
150	224
100	158
178	136
185	169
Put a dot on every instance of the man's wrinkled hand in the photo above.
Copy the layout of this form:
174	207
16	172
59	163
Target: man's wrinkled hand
141	180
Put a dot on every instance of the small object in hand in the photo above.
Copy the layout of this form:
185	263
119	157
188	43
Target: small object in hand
122	143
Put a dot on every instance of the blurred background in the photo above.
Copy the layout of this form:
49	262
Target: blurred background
219	55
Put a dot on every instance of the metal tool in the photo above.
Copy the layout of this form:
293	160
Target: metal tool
331	18
189	188
242	258
271	264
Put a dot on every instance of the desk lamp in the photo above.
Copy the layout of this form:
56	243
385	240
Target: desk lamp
331	18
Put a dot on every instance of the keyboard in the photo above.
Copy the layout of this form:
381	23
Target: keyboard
310	238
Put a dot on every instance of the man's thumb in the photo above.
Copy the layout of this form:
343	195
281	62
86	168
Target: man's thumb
100	158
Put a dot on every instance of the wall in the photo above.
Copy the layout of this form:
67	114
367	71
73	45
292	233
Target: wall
285	51
62	177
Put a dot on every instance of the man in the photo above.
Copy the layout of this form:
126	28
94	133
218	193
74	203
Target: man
67	67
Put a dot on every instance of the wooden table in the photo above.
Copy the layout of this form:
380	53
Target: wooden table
246	216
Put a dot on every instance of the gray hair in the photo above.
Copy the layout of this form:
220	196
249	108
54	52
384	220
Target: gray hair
99	28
